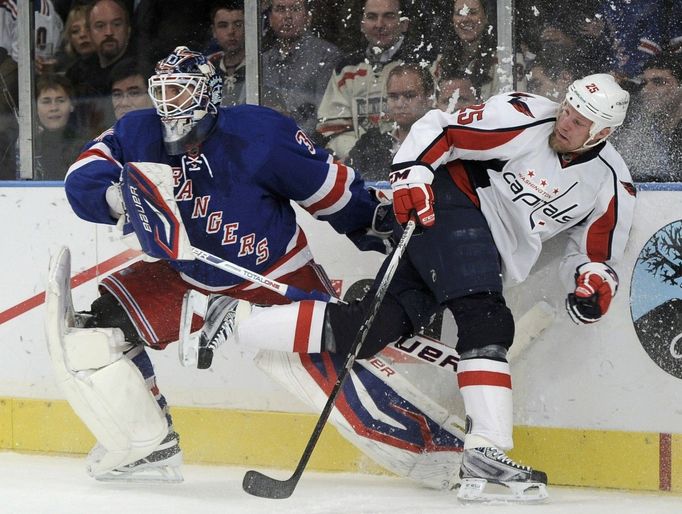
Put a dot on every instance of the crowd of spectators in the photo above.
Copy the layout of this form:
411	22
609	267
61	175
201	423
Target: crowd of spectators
354	74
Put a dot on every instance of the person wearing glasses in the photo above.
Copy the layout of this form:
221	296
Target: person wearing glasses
129	88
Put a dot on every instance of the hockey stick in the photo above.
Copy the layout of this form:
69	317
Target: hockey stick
257	483
291	292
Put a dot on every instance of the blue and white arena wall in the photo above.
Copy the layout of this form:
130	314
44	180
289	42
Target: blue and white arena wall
594	405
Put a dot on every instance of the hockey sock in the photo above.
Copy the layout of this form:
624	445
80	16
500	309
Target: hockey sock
487	392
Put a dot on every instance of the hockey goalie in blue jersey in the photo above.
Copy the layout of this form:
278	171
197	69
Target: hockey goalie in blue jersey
229	176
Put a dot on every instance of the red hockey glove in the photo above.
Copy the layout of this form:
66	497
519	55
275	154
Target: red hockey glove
596	284
412	192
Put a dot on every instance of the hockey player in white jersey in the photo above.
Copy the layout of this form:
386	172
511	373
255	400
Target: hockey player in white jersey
489	184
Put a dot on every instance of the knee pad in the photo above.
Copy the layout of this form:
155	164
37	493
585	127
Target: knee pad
107	312
483	319
343	322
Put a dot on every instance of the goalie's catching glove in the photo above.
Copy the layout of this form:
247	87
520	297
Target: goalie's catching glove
412	192
596	284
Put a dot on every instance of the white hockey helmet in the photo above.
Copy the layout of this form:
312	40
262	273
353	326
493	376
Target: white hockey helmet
601	100
186	90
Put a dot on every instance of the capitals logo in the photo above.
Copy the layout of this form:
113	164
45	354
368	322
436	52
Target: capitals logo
521	105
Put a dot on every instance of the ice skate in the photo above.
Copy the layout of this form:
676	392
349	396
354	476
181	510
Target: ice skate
221	319
488	474
162	465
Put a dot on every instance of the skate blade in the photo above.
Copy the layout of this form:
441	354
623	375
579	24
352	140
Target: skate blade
479	490
150	474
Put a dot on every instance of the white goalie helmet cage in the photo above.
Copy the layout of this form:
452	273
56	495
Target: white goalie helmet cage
601	100
185	89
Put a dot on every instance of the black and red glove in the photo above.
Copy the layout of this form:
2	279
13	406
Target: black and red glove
596	284
412	192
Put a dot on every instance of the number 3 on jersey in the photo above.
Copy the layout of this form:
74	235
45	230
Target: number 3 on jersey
470	113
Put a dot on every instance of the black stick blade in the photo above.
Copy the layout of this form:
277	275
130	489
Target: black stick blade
258	484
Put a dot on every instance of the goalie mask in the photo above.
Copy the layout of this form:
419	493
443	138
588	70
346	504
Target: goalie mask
601	100
186	90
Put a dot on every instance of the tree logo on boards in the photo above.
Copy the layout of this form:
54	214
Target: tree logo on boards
656	298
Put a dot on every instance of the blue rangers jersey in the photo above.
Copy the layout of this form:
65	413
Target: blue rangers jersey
234	192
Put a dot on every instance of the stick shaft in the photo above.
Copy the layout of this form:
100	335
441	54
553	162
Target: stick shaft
290	292
261	485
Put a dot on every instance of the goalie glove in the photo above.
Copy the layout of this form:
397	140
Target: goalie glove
412	192
596	284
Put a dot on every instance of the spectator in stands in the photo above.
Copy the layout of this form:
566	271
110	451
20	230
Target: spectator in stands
355	96
48	29
577	29
129	87
339	23
299	65
227	28
552	72
639	29
454	92
651	143
109	26
162	25
76	43
470	47
57	141
409	93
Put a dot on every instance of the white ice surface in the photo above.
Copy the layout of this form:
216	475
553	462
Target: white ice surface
31	484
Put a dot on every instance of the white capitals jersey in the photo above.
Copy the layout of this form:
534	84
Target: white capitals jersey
499	155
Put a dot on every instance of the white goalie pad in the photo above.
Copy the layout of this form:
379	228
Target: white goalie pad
431	464
104	388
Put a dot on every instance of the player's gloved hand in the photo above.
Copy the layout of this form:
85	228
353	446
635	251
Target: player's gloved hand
596	284
412	192
124	228
114	200
377	237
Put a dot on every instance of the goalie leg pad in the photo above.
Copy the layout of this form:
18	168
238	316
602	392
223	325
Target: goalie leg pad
380	413
104	388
